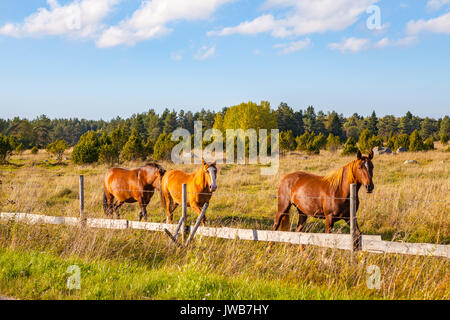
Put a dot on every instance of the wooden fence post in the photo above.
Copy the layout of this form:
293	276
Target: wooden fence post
197	224
82	215
184	231
356	243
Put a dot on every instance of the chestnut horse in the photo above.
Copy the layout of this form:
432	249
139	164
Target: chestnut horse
131	186
323	197
200	186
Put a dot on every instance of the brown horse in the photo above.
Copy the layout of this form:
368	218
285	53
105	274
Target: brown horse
200	186
323	197
131	186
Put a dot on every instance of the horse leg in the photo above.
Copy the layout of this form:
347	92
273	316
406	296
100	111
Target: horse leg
117	205
143	205
329	223
108	200
300	225
173	206
281	219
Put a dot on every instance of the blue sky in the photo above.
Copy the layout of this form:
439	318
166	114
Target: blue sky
103	58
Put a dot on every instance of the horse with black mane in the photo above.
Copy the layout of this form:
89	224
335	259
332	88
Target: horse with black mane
130	186
323	197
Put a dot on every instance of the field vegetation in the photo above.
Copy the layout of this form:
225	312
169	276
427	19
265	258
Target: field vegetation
410	203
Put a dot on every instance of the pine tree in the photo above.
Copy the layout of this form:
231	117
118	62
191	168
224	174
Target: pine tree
350	147
372	124
133	149
415	142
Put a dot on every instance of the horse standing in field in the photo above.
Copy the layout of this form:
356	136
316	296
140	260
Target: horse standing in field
323	197
200	186
131	186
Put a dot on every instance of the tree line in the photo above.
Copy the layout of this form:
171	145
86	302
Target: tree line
148	134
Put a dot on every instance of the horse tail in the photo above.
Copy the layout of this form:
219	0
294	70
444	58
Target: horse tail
162	197
105	203
282	218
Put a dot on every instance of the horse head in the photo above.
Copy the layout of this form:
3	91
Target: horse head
152	174
210	171
364	171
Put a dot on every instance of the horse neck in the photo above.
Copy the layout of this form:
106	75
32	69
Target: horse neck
200	179
344	190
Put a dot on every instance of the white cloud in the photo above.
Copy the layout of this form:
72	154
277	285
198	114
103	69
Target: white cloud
151	19
302	17
440	24
406	41
437	4
205	52
352	45
286	48
383	43
79	18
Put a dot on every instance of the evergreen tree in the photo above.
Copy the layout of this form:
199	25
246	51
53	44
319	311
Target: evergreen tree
372	124
334	125
133	149
287	142
444	139
87	149
415	141
364	141
402	141
333	143
350	147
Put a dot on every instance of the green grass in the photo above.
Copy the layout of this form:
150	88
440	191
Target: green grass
41	275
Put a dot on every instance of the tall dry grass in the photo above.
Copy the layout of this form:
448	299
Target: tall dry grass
410	203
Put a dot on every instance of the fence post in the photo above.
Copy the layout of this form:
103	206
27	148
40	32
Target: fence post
184	212
353	226
197	224
82	216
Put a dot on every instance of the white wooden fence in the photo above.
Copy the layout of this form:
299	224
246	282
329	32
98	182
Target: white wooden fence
369	243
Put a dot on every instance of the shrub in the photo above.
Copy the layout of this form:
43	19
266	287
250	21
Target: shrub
375	141
108	154
428	144
402	141
57	149
364	141
87	149
333	143
350	147
444	139
415	142
391	141
309	143
6	148
34	150
287	142
20	148
163	147
134	149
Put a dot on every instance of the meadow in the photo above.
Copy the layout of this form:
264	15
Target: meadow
410	203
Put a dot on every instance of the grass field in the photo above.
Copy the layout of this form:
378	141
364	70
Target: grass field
410	203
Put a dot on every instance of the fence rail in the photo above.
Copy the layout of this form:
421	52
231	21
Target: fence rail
369	243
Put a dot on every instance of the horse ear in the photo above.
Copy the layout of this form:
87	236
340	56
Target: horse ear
203	161
371	155
358	155
214	163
